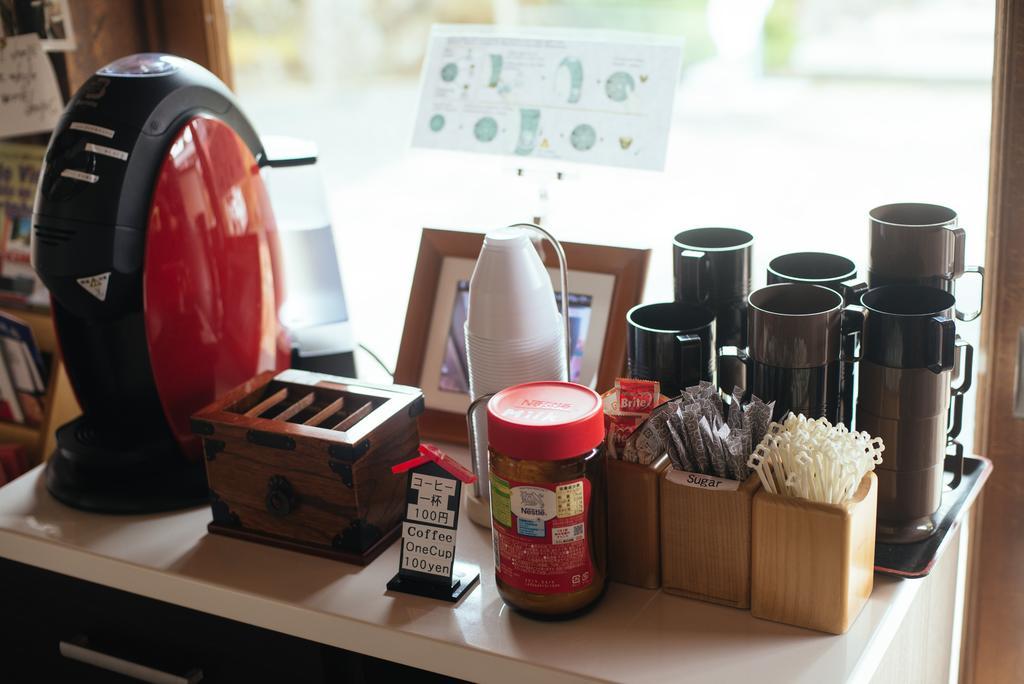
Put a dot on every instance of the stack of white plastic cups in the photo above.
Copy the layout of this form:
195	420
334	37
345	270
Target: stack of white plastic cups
514	332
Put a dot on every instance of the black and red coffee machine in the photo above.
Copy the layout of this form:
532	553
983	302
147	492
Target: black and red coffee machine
154	233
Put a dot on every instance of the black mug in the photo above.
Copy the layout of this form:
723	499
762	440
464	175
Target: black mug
796	343
836	273
907	398
818	268
711	267
672	343
910	326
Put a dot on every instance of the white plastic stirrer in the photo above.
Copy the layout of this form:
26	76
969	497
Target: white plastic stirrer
814	460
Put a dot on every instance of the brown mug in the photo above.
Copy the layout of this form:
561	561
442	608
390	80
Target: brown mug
914	243
795	348
906	397
836	273
914	411
908	499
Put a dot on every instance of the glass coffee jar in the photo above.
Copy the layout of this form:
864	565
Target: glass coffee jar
545	442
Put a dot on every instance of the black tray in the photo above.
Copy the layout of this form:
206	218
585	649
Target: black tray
917	560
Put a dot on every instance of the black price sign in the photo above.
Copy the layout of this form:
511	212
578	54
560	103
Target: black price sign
427	566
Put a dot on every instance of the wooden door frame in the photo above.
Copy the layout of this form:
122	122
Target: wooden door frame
195	29
994	627
108	29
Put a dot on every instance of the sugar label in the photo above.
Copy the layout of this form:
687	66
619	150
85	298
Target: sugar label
700	481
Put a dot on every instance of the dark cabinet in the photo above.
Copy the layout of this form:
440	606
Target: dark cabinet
40	609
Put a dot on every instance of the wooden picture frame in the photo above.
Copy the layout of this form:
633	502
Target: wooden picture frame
628	267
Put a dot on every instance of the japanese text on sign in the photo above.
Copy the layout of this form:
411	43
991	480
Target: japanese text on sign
434	500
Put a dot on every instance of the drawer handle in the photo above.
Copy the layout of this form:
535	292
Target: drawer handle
120	666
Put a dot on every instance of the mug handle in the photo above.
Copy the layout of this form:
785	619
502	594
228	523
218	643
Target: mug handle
959	245
941	353
852	324
954	463
852	292
965	360
688	342
956	417
740	355
690	278
966	317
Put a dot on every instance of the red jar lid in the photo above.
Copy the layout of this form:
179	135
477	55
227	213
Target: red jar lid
545	421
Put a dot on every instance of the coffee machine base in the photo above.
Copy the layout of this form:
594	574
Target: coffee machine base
108	473
341	363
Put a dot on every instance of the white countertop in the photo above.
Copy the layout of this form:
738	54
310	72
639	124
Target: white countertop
632	635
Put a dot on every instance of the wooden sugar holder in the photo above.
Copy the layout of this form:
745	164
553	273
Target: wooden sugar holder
634	534
705	539
813	563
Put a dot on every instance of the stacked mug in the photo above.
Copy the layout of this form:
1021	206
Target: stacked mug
905	393
796	342
711	267
912	357
919	244
836	273
795	348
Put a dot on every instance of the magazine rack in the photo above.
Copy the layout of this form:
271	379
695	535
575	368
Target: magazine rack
59	403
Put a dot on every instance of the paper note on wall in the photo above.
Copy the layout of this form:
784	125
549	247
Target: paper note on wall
581	96
30	100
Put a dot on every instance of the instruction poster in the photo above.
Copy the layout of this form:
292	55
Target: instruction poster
580	96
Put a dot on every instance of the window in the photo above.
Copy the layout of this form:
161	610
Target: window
792	120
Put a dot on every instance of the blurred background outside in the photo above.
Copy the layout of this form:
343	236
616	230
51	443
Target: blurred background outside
793	118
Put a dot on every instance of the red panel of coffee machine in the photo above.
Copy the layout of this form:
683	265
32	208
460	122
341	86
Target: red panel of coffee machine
153	231
211	284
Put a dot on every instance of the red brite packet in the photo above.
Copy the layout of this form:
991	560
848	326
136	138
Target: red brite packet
637	396
626	407
619	428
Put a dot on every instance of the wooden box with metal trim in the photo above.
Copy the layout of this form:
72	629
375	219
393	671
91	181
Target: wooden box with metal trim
303	461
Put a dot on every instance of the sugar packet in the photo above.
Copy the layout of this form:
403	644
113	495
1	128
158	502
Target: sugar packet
701	434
